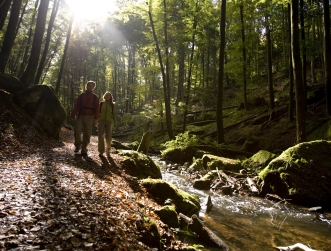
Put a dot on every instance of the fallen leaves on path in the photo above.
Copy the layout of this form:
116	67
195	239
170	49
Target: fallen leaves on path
55	200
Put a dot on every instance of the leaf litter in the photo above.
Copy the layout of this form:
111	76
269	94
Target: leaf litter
51	199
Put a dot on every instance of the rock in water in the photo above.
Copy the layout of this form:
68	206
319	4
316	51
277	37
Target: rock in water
209	204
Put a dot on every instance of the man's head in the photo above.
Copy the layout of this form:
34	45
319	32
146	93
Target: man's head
90	85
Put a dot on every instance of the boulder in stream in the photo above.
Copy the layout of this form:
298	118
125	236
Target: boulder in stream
258	161
139	164
185	203
301	174
168	215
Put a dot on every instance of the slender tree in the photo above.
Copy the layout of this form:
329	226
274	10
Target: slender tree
189	77
327	54
58	82
166	100
27	41
290	72
10	34
219	109
299	88
243	54
304	49
269	68
55	9
29	74
4	8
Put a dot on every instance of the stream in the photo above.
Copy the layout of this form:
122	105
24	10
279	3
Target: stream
253	223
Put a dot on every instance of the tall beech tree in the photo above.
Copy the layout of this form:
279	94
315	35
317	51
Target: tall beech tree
42	62
165	90
27	42
29	73
188	90
290	72
64	55
243	54
299	88
10	34
219	108
4	8
327	54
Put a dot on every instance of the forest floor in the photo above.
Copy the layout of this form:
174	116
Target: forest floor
51	199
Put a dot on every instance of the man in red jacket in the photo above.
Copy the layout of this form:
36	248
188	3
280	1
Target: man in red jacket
87	111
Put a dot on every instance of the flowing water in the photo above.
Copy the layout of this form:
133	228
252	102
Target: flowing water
251	223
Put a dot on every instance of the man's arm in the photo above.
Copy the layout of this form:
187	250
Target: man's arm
76	107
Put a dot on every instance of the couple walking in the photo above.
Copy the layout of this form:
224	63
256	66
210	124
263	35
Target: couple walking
89	111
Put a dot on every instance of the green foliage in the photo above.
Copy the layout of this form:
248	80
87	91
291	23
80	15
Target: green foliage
182	140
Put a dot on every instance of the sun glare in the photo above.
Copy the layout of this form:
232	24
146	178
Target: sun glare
92	10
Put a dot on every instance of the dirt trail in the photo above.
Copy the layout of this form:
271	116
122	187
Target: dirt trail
55	200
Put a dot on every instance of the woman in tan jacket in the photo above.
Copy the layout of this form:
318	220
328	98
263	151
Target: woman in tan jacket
107	122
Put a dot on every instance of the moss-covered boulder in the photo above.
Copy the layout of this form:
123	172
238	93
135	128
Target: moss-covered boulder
149	234
180	155
301	173
168	215
205	182
139	165
42	104
162	190
258	161
211	162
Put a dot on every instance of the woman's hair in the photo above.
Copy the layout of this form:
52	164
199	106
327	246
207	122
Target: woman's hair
111	101
90	82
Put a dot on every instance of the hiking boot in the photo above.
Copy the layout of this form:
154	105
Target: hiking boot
83	153
76	150
100	154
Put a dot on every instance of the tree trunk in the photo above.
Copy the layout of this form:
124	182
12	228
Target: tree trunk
244	55
29	74
327	54
48	39
181	74
166	101
189	79
304	51
219	108
167	71
291	84
58	82
269	68
10	34
299	89
27	42
144	143
4	8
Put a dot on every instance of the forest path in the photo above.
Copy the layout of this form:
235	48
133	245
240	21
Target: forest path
52	199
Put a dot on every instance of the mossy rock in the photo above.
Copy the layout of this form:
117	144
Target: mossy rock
258	161
42	104
185	203
168	215
205	182
139	165
150	235
180	155
302	173
211	162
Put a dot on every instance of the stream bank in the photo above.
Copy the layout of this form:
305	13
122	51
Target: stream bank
252	223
